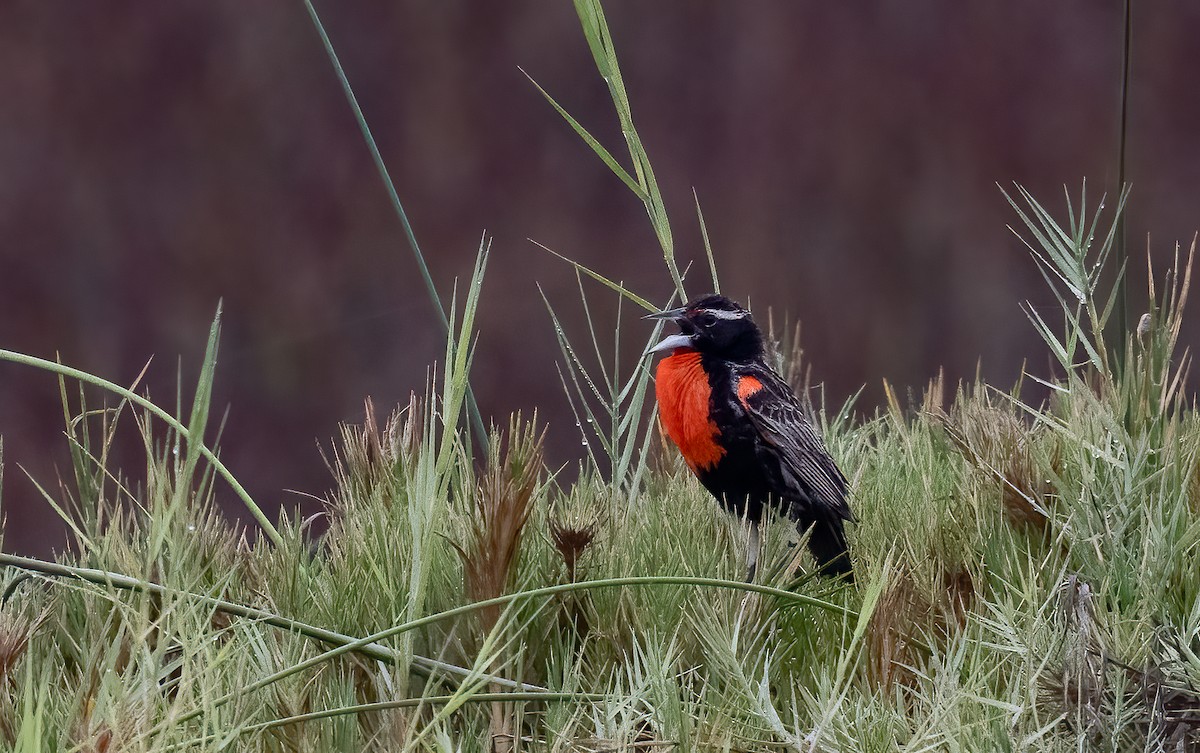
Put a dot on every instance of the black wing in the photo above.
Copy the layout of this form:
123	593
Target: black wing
806	475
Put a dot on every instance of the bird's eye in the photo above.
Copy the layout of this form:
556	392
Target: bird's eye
706	320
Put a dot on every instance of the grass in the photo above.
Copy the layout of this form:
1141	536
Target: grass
1026	579
1026	567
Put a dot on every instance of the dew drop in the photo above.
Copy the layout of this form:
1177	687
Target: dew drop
584	442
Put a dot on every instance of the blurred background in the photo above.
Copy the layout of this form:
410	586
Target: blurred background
158	157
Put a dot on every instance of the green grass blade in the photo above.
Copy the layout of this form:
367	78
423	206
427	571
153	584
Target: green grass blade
394	197
708	252
404	703
200	404
600	42
40	363
604	155
647	305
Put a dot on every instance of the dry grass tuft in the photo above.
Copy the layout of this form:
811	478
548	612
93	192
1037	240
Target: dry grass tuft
127	719
908	617
16	628
1077	688
503	502
1169	709
571	540
92	736
959	594
369	455
1193	492
1000	444
1109	702
893	647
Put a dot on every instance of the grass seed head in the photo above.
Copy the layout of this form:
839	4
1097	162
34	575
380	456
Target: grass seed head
571	540
503	501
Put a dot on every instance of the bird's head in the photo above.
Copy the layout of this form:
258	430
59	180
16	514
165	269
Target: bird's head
713	325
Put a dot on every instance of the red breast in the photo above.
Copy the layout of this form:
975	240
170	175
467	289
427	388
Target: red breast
683	404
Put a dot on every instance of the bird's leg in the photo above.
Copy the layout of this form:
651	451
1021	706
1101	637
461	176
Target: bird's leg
752	551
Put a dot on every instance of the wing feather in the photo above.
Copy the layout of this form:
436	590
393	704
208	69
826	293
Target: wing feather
807	476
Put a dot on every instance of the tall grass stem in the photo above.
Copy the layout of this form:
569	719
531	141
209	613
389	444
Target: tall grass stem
394	197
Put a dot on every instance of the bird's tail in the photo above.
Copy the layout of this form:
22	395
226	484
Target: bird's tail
827	542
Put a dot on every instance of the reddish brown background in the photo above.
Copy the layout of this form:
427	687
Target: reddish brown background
155	157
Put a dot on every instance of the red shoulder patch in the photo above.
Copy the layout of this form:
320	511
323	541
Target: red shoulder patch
746	387
683	393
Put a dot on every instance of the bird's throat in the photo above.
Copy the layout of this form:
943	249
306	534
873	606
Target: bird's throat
684	393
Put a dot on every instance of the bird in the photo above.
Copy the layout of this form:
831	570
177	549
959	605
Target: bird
744	434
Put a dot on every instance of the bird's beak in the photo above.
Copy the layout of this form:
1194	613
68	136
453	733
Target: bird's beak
670	342
672	314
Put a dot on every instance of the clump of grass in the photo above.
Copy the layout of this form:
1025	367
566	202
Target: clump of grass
996	441
16	627
503	503
1110	703
912	621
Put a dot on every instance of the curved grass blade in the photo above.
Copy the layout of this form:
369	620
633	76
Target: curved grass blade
708	252
259	516
404	703
647	305
600	42
789	597
377	652
604	155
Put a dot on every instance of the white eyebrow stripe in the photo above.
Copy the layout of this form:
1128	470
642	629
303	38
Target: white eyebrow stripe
723	314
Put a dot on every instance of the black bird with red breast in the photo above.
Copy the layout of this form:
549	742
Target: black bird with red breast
744	434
